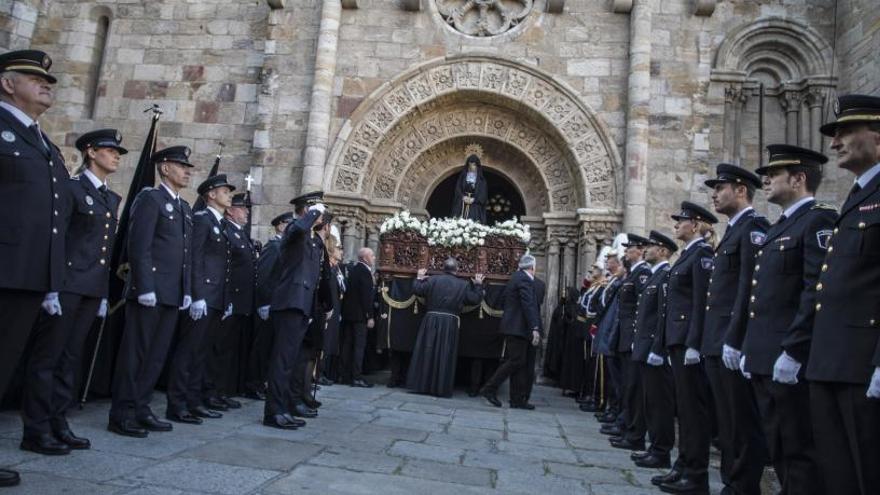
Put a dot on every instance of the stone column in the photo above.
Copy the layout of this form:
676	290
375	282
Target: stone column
552	281
568	264
318	130
791	103
637	124
349	239
815	100
372	239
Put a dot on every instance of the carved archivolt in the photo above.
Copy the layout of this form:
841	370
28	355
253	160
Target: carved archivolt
475	96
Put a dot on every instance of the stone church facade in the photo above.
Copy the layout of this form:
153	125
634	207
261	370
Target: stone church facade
601	115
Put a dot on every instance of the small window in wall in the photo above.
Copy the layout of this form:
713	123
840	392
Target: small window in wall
98	51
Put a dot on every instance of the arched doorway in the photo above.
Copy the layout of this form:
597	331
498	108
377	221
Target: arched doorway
505	201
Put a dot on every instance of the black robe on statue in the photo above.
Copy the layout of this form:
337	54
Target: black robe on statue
478	190
432	367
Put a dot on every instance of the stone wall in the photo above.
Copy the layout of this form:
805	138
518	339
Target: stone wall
18	18
858	46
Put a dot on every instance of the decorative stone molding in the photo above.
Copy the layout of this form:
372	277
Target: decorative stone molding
483	17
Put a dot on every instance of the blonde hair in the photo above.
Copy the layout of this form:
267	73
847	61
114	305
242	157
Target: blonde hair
330	245
707	232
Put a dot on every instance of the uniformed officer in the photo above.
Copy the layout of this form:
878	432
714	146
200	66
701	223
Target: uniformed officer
210	270
844	367
31	230
604	339
658	393
631	429
780	313
158	287
683	336
298	271
58	341
739	428
258	361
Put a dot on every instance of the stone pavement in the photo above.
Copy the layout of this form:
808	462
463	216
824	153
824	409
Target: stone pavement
365	441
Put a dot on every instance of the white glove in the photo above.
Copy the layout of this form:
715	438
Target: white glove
874	387
318	207
148	299
102	309
51	304
263	312
655	360
536	338
198	309
742	368
785	369
187	302
730	357
228	312
691	356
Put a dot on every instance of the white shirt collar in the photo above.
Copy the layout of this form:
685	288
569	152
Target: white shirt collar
277	236
217	214
738	216
869	175
237	226
793	208
529	274
93	179
366	265
24	118
170	191
658	266
641	262
694	241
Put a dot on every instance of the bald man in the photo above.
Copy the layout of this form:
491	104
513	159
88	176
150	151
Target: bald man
357	317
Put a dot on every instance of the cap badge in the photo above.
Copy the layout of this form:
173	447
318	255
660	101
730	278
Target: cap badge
89	200
47	62
118	137
186	152
837	106
8	136
168	207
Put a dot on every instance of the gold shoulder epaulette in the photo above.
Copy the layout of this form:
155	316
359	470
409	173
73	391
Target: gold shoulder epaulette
824	206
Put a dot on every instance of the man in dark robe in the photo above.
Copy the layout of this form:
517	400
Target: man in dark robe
432	368
471	192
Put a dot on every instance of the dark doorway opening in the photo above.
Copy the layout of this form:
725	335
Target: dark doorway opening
505	201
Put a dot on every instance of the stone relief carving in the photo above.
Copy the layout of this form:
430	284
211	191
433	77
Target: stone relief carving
484	17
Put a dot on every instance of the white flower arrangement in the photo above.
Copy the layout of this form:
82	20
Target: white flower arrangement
453	232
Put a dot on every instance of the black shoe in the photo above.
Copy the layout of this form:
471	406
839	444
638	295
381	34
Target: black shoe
491	399
185	417
653	461
392	384
304	412
231	403
44	444
584	399
361	383
128	428
473	393
627	444
611	430
254	394
216	404
72	441
9	477
203	412
638	455
524	405
280	421
324	381
311	402
152	423
607	418
688	486
587	407
670	477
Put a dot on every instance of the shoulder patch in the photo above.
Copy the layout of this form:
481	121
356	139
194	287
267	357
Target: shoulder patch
823	237
757	237
824	206
643	278
707	263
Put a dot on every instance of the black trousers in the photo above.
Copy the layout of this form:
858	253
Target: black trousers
785	419
354	342
658	393
247	337
261	349
633	400
53	364
301	382
187	368
224	340
846	425
516	357
614	383
19	310
141	356
400	367
692	405
521	382
290	328
740	435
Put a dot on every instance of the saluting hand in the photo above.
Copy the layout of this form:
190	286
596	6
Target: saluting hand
478	278
421	274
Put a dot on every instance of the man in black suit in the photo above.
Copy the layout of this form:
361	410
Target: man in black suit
298	271
158	287
58	340
780	313
844	366
32	172
521	325
357	317
739	428
522	381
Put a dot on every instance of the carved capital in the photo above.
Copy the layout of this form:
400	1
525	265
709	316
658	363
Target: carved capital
790	101
814	97
734	93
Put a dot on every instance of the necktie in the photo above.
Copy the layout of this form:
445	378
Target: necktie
35	128
855	190
782	218
103	191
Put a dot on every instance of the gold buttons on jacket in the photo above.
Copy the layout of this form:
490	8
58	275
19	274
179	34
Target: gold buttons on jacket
103	262
819	286
760	252
825	267
818	306
754	282
757	268
752	299
751	314
862	225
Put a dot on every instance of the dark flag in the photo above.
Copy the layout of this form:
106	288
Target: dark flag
199	204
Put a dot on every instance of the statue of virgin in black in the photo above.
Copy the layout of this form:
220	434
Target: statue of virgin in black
471	192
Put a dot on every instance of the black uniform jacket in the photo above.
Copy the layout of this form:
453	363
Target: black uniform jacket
649	315
782	301
358	303
846	331
210	260
299	266
629	292
242	264
158	243
91	231
267	278
686	296
521	311
728	298
32	228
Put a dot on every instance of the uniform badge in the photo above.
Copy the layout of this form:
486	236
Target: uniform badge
216	230
89	200
758	238
643	279
8	136
168	207
822	237
707	263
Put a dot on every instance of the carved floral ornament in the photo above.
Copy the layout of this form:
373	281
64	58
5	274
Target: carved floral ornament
484	17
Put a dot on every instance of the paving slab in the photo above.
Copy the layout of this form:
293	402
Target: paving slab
257	452
315	479
411	450
198	475
42	483
449	473
88	465
357	461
